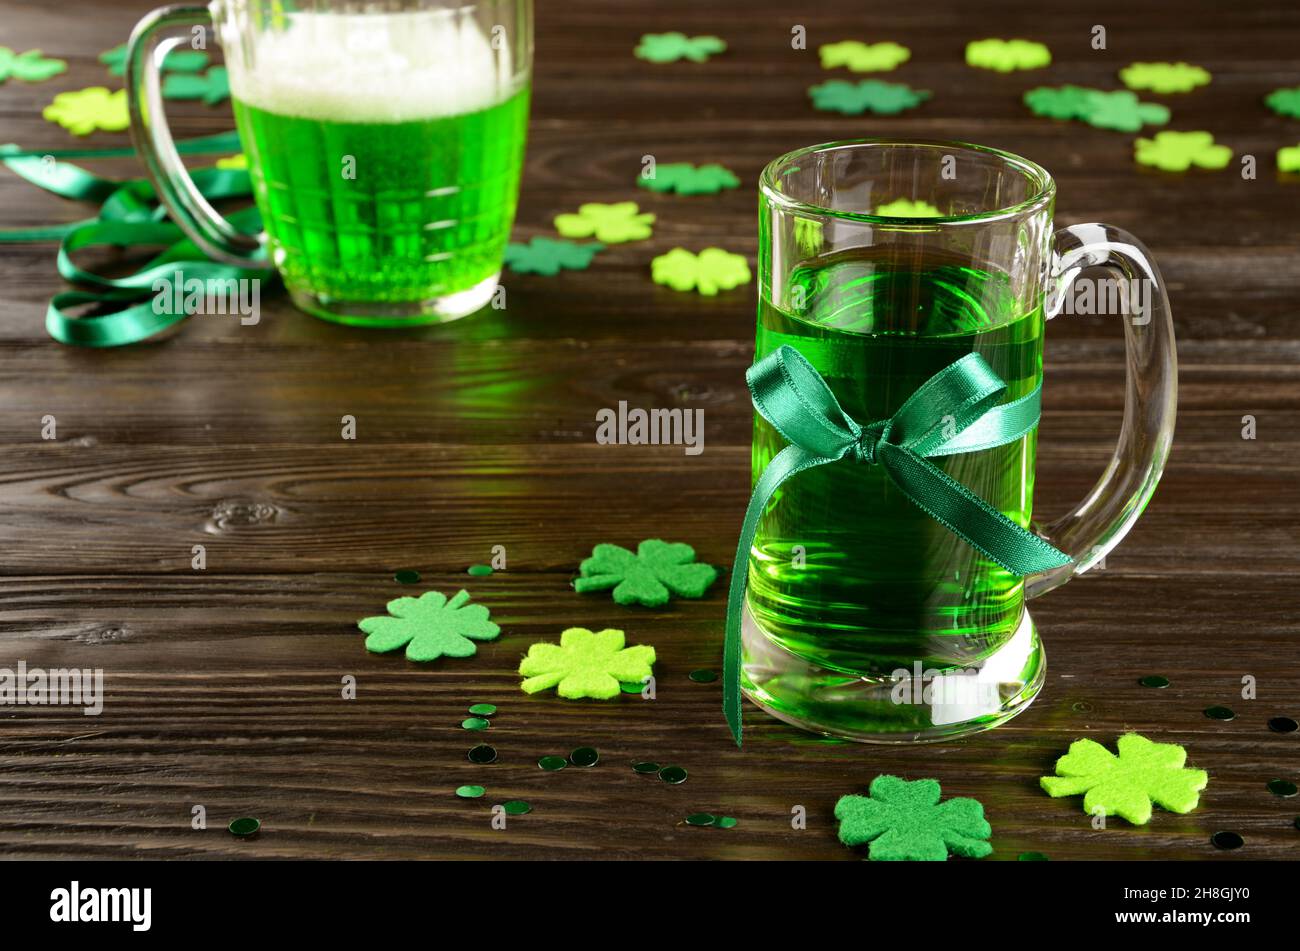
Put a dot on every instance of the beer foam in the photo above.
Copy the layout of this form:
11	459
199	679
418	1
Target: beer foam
390	67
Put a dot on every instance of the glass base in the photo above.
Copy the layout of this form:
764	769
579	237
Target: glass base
917	706
435	310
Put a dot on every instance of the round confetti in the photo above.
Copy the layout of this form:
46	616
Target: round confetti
1297	822
516	807
475	723
584	756
1154	680
483	709
1227	840
646	767
1283	725
1031	857
703	676
725	822
1282	787
1220	713
552	762
470	792
479	571
483	754
700	819
244	826
673	775
631	688
407	576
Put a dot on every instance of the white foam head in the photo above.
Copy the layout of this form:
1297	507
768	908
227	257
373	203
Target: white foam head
388	67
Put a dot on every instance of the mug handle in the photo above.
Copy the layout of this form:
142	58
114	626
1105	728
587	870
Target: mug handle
202	223
1098	523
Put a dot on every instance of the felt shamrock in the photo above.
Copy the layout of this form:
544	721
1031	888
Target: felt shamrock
1179	151
1121	111
235	162
1127	785
212	87
1060	102
906	822
1288	159
1005	56
903	208
1164	77
869	95
584	664
30	67
177	61
687	179
614	224
711	270
548	256
430	627
863	57
1285	102
670	47
657	569
85	110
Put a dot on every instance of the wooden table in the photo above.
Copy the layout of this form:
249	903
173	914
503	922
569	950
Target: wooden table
224	685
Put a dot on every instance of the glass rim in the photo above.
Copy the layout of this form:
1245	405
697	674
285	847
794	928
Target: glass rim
1044	191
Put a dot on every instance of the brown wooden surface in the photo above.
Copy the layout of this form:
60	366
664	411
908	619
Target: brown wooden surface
223	686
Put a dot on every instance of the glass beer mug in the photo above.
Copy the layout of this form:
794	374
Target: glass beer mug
384	144
866	618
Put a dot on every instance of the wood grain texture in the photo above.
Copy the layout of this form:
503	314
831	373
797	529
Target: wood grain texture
223	686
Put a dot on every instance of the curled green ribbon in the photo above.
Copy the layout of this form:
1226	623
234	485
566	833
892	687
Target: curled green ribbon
955	411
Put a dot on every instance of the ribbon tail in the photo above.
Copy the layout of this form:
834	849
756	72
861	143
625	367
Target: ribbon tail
786	463
950	503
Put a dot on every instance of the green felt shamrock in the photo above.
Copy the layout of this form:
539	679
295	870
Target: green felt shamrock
711	270
212	87
1179	151
864	57
687	179
1127	785
430	627
613	224
1285	102
177	61
584	664
905	822
1288	159
657	569
85	110
1121	111
1060	102
549	256
1164	77
905	208
868	95
30	67
670	47
1005	56
238	161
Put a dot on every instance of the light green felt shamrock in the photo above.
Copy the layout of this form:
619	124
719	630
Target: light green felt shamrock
1285	102
1164	77
864	57
708	272
687	179
177	61
1127	785
584	664
430	627
613	224
670	47
1060	102
1122	111
85	110
235	162
1179	151
1288	159
869	95
905	208
1006	56
905	822
549	256
657	569
30	67
212	87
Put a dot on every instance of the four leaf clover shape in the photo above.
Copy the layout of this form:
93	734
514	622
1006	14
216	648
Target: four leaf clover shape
1285	102
548	256
1122	111
864	57
670	47
711	270
904	821
178	60
1005	56
869	95
687	179
584	664
30	67
430	627
1126	785
648	577
1179	151
1060	102
83	111
613	224
212	87
1164	77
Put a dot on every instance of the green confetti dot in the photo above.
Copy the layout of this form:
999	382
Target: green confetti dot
725	822
1283	725
646	767
244	826
1220	713
552	762
584	756
1282	788
1031	857
483	709
1227	840
470	792
1154	680
479	571
482	754
700	819
703	676
673	775
631	688
1297	822
516	807
475	723
407	576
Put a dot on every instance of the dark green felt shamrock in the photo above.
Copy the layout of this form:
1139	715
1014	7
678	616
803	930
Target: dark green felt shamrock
212	87
1285	102
430	627
1060	102
30	67
177	61
1122	111
906	822
549	256
670	47
868	95
687	179
648	577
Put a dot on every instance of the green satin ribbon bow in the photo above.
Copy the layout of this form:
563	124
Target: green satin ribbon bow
127	308
957	410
